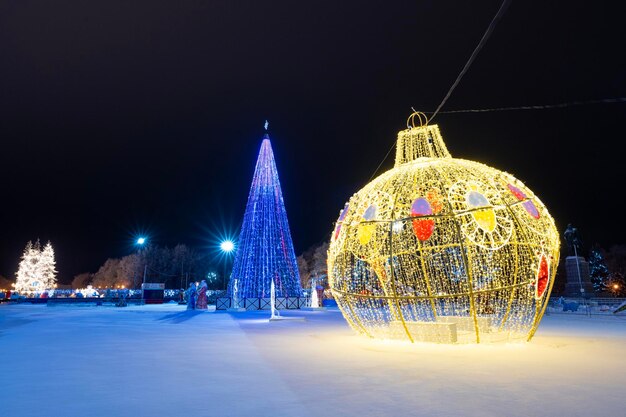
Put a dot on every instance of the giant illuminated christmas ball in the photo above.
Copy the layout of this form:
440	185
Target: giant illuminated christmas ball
440	249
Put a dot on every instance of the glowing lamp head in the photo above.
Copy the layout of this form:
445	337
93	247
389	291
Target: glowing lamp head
141	240
227	246
440	249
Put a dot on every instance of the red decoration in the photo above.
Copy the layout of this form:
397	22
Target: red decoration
543	276
519	194
435	199
423	229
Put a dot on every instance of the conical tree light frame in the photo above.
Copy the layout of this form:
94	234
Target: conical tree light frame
265	250
440	249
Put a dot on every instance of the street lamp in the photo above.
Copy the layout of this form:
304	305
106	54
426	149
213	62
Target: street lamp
227	246
141	240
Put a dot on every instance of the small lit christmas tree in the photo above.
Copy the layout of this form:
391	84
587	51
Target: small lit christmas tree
27	277
47	266
36	270
598	270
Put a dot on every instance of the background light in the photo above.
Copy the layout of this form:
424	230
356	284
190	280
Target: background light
141	240
227	246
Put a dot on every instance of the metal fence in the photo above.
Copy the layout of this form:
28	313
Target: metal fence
104	293
594	306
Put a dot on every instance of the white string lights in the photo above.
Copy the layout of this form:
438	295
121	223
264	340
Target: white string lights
442	249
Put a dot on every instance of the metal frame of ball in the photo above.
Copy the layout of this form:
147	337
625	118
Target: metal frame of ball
546	252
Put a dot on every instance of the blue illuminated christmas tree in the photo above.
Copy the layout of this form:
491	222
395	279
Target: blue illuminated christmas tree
265	250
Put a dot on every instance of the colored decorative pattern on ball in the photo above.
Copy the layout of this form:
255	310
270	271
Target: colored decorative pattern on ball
424	228
365	231
342	216
543	276
486	218
529	206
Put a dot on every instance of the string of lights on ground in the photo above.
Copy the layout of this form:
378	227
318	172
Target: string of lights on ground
442	249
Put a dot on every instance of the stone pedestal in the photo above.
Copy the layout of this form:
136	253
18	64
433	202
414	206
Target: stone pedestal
573	266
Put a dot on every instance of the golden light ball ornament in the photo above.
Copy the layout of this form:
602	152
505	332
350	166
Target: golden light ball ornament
440	249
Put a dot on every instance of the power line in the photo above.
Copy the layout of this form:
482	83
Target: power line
381	162
535	107
483	41
540	107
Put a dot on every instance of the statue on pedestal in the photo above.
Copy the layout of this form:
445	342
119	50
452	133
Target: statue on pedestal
578	281
572	238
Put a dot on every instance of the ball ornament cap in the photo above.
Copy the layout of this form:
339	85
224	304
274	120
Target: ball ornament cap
441	249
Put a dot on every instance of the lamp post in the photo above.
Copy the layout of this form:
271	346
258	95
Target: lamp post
141	241
580	282
227	246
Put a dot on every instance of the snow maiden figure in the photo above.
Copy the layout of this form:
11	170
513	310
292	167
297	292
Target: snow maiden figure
201	303
191	296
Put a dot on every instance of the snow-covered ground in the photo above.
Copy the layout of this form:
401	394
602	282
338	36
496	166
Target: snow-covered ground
160	360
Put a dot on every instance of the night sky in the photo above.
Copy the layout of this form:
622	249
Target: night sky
121	117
